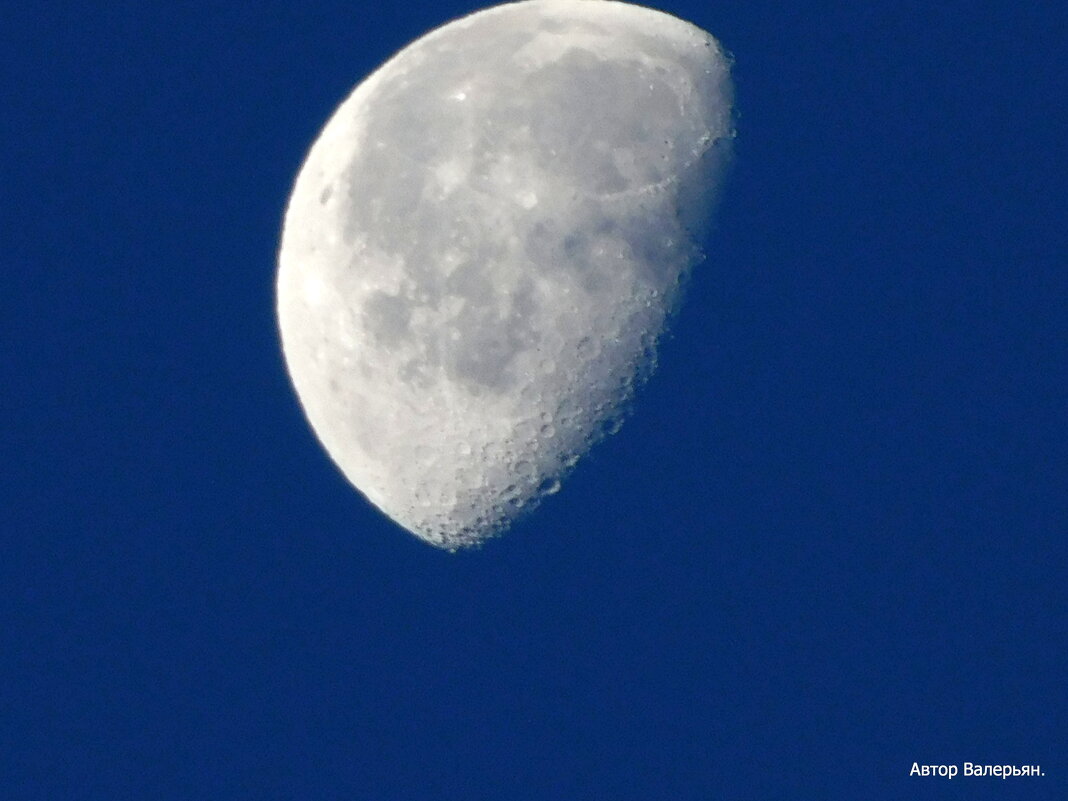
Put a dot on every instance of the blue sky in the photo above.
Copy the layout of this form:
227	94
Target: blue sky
829	543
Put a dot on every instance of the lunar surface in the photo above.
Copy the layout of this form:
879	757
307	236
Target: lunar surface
486	242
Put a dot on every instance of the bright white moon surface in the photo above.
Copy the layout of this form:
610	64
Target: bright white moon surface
484	245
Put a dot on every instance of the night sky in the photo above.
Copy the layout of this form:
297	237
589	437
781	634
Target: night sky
830	542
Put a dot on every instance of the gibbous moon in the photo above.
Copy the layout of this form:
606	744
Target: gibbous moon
484	245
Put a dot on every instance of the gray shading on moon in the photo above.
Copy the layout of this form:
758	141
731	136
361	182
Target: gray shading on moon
486	242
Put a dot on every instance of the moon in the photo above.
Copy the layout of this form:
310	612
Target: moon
485	244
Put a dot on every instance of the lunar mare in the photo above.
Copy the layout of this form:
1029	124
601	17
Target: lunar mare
484	245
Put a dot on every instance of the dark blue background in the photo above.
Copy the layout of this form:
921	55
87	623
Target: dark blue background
830	543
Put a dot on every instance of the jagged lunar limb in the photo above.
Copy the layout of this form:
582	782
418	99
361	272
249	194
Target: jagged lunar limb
485	243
